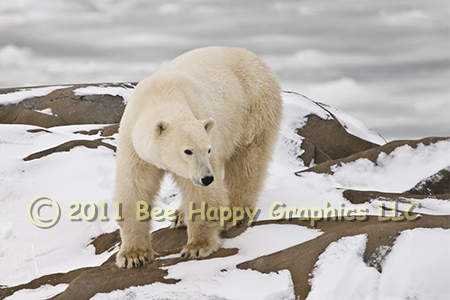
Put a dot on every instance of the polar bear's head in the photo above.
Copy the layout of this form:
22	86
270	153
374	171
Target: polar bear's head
181	146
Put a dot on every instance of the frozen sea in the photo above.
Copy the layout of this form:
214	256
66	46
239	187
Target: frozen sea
384	62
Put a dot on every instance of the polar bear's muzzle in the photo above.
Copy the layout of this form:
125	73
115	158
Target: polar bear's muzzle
203	174
205	181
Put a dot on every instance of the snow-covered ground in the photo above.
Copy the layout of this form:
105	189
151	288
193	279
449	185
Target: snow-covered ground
385	62
82	174
410	271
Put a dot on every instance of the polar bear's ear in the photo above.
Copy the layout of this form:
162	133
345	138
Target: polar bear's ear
161	126
208	124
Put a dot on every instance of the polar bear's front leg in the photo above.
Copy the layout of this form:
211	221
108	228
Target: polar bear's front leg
203	239
134	252
203	234
133	184
179	221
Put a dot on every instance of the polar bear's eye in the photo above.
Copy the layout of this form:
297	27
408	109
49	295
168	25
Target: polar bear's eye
188	152
209	151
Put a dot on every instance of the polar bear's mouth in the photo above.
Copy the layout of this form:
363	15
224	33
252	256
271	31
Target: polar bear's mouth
196	181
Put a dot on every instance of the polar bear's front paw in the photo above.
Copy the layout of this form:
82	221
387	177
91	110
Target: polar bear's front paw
200	250
134	258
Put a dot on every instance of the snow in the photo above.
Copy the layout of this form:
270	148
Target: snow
340	272
226	285
218	278
395	172
255	242
28	252
355	126
123	92
43	292
296	110
418	267
16	97
79	175
47	111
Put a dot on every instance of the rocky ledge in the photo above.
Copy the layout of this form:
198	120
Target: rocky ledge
319	146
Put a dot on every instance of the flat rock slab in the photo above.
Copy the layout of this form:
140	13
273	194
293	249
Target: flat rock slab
299	260
64	105
371	154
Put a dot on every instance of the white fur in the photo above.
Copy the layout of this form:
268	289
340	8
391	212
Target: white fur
217	98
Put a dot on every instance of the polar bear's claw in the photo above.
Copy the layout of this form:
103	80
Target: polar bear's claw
199	250
134	259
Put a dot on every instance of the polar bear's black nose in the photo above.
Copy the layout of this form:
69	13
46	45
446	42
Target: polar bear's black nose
207	180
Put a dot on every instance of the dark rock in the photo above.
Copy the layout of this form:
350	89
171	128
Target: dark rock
371	154
327	140
37	130
326	143
438	183
104	131
361	197
52	279
324	140
108	277
300	259
84	283
67	146
110	130
106	242
67	108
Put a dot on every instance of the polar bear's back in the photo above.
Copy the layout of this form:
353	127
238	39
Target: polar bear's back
240	92
233	80
204	62
230	85
220	68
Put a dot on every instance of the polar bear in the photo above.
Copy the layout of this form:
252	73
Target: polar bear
211	118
